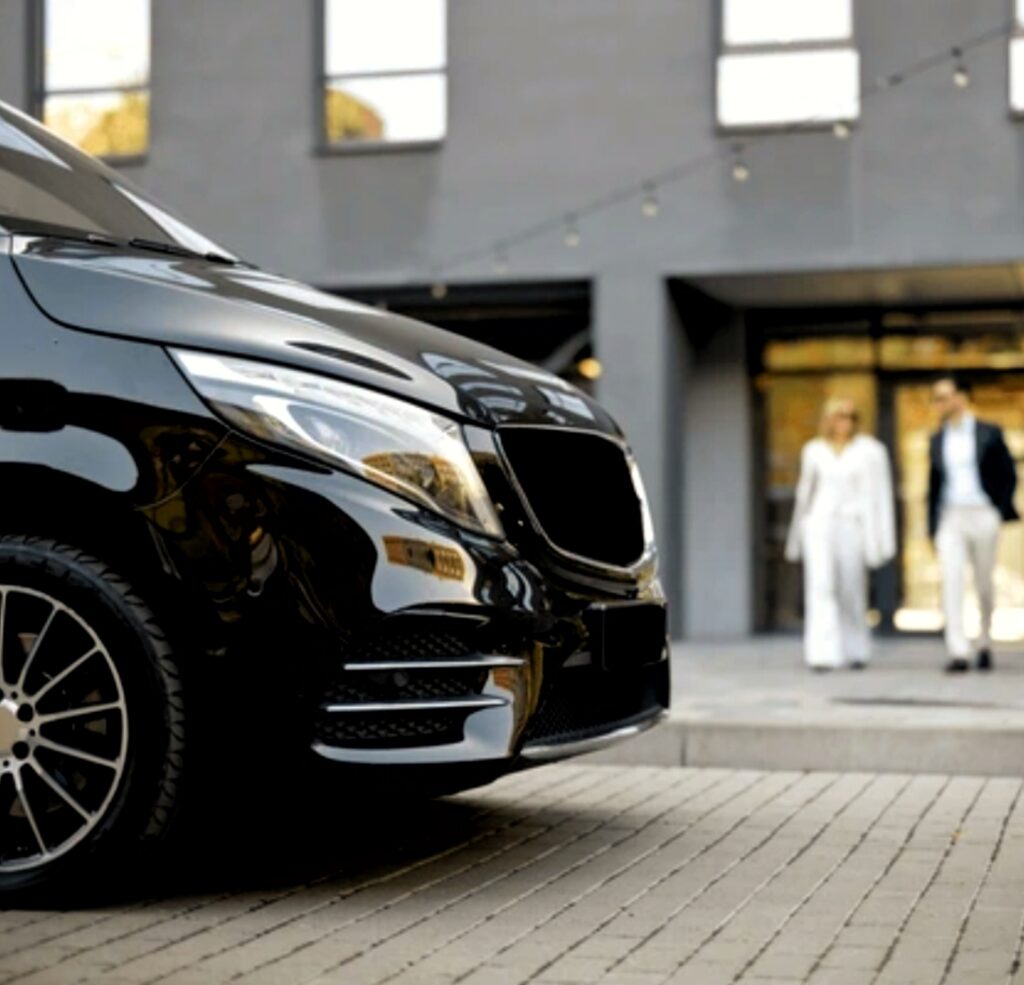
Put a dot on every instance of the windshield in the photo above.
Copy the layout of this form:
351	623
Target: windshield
45	183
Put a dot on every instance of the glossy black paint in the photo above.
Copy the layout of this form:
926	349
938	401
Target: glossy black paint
244	311
276	574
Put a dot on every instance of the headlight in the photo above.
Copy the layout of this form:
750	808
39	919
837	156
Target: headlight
394	444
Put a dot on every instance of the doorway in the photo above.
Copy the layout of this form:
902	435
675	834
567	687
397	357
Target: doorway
885	362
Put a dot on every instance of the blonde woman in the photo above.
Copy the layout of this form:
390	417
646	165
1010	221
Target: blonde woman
843	524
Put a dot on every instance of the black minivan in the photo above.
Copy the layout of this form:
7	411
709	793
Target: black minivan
241	519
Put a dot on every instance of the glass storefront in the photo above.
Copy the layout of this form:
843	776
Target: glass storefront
886	366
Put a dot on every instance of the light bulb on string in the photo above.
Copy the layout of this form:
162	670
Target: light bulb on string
572	233
841	130
961	77
438	290
740	170
888	81
649	205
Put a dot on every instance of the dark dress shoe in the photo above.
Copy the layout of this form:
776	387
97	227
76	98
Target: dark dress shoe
957	666
985	659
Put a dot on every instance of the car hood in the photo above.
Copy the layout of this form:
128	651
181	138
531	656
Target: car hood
240	310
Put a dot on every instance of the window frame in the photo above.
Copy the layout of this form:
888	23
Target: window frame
847	43
328	148
38	91
1016	35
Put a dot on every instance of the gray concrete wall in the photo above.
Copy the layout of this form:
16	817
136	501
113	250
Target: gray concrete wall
552	104
718	532
14	60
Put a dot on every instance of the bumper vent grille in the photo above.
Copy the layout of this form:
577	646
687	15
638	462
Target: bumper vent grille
376	731
579	489
578	704
405	686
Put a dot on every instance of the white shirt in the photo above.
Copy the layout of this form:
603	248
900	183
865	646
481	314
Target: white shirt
960	457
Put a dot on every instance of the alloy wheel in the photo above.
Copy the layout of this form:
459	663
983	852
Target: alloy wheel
63	728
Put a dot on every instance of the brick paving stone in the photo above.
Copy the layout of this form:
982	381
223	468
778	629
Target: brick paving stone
577	874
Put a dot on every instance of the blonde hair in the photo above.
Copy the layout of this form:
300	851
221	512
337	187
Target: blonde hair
833	406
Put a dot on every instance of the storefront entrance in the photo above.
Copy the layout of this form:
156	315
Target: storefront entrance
886	364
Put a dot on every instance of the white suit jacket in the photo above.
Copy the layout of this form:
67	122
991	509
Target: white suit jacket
871	503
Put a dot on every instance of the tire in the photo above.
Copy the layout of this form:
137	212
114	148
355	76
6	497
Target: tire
91	724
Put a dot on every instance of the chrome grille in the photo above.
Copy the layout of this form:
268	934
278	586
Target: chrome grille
578	488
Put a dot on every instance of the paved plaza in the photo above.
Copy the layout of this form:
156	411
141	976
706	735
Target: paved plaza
579	874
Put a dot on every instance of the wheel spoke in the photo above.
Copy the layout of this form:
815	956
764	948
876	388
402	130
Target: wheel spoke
87	757
27	808
60	791
56	716
3	617
36	696
25	667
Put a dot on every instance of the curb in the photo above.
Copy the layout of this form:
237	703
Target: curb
975	750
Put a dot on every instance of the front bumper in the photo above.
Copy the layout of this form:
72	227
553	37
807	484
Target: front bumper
460	688
393	638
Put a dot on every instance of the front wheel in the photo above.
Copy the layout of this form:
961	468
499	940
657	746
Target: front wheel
91	720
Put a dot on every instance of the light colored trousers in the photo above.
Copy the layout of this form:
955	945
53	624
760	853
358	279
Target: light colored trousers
967	533
835	591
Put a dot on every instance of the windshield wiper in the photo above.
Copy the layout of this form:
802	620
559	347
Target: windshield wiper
19	225
172	249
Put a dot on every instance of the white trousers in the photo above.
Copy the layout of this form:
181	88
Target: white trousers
967	534
835	592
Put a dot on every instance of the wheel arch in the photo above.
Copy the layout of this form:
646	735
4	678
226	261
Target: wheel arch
45	502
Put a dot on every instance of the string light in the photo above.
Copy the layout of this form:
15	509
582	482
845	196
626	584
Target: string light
572	233
649	206
438	290
961	77
888	81
740	171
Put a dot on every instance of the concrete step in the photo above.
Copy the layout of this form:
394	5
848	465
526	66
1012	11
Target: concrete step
753	704
975	749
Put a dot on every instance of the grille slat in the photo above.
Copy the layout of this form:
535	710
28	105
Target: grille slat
578	486
415	681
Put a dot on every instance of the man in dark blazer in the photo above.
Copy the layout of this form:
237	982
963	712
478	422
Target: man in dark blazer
971	484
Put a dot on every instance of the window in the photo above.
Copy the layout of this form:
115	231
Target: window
1017	59
787	62
384	79
94	78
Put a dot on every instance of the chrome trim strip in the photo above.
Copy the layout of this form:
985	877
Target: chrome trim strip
560	750
468	664
650	549
441	704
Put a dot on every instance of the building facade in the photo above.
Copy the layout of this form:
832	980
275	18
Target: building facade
741	269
